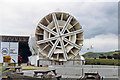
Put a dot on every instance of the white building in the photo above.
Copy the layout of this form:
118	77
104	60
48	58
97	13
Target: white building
13	45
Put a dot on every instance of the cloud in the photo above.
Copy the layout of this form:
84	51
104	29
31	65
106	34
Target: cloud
99	18
20	17
101	43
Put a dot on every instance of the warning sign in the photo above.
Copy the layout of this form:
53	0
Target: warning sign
4	51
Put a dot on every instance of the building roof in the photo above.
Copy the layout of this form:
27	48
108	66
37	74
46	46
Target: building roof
14	38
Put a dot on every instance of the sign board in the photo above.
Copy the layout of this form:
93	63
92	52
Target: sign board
5	48
13	48
4	51
9	49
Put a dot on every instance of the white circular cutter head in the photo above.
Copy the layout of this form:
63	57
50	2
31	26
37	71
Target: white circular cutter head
59	36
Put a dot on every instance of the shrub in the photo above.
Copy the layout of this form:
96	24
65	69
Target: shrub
102	57
109	57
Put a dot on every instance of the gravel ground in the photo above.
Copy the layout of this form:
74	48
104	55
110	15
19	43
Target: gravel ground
24	66
0	72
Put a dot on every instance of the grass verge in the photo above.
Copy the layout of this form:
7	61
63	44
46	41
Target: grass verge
114	62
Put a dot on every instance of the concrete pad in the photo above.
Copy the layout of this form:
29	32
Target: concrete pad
105	71
75	72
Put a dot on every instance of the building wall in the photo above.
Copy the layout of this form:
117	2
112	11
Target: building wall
0	43
0	38
23	44
0	49
11	49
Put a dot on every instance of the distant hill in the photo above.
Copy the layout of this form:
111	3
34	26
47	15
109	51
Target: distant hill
97	54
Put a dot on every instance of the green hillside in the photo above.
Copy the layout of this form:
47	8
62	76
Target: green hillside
92	58
97	54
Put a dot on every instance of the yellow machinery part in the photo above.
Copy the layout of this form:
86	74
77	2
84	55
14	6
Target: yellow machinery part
7	59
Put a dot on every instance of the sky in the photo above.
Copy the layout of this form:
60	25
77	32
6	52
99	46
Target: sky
99	19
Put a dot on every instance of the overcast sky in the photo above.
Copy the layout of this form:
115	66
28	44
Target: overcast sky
99	20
